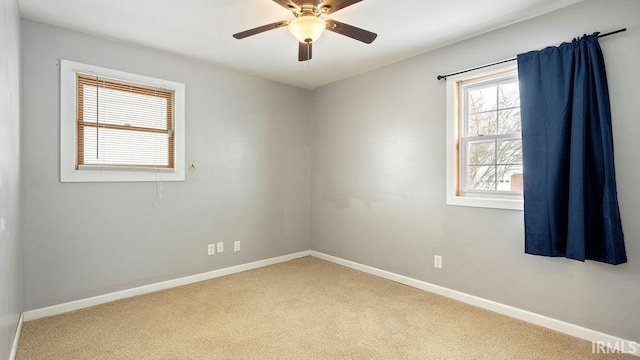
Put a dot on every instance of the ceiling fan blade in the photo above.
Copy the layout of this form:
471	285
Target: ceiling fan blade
351	31
332	6
304	51
258	30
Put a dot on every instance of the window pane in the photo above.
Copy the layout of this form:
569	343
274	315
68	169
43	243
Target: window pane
483	124
482	153
125	147
509	152
483	99
508	95
509	177
481	178
509	121
124	108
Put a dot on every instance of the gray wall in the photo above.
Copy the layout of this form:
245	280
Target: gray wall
10	245
378	187
248	136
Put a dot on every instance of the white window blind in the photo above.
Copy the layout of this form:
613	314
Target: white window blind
122	124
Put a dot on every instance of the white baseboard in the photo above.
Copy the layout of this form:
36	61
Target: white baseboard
16	339
630	347
101	299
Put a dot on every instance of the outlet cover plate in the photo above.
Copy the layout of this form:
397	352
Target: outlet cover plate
437	261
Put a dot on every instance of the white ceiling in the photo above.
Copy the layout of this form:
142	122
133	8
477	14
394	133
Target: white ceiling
202	29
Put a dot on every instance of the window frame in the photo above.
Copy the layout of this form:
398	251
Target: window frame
455	141
69	169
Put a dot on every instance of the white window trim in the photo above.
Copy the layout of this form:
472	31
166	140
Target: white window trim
68	129
453	198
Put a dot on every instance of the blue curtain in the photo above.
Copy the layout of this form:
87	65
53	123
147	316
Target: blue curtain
570	197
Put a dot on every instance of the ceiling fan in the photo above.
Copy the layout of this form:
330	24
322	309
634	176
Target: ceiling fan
308	26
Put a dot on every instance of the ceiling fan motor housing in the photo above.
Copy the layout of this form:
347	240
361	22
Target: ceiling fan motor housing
308	9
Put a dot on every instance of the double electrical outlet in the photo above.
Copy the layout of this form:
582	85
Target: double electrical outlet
218	247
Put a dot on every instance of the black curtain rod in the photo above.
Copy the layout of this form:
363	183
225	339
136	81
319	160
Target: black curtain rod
441	77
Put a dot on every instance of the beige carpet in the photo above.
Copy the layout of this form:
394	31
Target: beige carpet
301	309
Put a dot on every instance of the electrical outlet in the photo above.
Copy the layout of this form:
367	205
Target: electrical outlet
437	261
236	246
220	247
211	249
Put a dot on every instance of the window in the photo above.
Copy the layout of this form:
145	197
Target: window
122	124
484	155
117	126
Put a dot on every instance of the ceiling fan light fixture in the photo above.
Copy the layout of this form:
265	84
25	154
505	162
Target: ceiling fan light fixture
307	28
